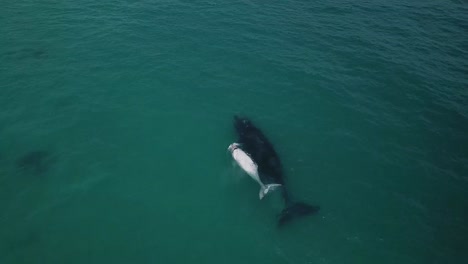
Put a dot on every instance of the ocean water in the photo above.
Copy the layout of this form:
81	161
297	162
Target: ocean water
115	117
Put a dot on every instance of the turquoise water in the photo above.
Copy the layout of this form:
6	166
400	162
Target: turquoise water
131	105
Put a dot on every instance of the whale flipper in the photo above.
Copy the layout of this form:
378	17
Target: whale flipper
265	189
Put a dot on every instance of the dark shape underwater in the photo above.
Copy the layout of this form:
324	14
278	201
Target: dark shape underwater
254	143
36	162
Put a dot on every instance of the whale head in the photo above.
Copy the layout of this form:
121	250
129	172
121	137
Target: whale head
233	146
242	124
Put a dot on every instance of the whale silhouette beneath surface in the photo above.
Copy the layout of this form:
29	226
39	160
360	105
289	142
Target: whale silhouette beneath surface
36	162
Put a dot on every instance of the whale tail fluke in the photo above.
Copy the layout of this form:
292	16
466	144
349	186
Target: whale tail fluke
295	210
264	190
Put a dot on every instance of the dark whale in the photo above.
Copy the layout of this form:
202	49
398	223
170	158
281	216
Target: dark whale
258	147
36	162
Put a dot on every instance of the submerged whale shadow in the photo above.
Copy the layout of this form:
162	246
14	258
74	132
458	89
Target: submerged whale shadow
35	162
26	54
